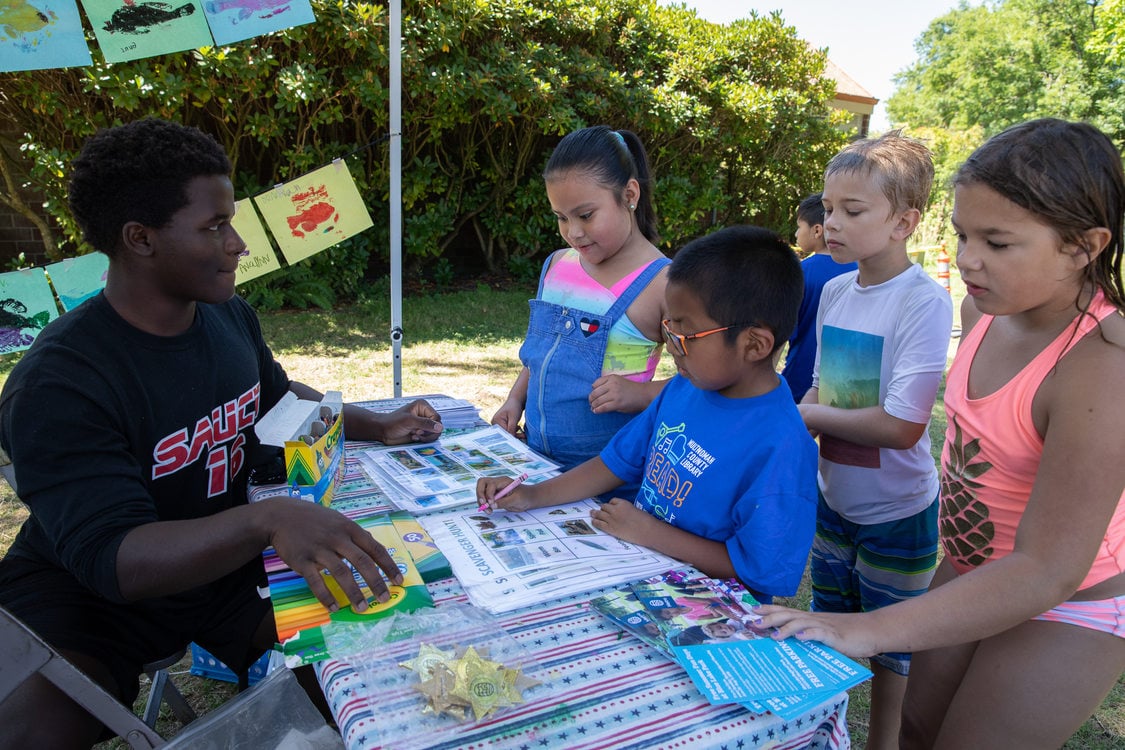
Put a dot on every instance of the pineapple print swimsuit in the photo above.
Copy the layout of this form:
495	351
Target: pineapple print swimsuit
989	462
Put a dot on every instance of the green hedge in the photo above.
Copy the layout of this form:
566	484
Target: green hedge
736	120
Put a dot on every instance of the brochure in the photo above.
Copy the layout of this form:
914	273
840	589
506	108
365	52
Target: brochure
762	668
707	626
455	413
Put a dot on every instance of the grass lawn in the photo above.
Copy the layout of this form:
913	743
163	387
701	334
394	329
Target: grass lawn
464	344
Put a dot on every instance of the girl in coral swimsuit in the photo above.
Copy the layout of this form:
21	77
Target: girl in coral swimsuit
1022	633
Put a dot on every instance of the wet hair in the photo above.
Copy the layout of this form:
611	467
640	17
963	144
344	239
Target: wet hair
612	158
811	210
1069	175
743	275
138	172
902	166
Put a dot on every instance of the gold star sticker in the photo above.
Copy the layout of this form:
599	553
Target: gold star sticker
481	683
428	657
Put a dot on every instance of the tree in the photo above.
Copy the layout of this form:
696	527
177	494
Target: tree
1007	61
737	120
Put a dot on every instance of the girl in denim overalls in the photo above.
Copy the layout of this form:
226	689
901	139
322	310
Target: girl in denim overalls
593	340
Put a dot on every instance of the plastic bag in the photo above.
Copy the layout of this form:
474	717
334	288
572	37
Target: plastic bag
275	714
377	651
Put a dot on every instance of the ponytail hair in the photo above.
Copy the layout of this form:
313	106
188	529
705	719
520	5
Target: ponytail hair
612	157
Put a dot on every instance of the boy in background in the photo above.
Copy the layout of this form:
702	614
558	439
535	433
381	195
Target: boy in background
882	335
726	467
818	267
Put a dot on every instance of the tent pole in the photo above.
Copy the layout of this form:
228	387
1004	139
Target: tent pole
395	201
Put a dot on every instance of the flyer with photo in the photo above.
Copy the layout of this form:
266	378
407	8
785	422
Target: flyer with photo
708	627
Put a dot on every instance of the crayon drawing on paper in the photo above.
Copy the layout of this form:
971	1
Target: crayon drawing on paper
27	304
77	279
260	258
314	212
39	34
234	20
134	29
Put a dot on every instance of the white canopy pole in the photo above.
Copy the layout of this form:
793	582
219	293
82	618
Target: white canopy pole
395	202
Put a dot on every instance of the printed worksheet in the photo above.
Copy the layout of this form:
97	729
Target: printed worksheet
441	475
506	559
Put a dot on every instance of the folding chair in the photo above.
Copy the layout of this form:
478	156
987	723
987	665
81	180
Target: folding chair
25	654
269	715
162	689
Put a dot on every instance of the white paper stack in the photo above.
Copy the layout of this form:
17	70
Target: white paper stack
456	413
428	477
507	560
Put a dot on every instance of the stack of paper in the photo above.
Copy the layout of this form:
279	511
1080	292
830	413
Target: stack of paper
506	560
456	413
708	627
436	476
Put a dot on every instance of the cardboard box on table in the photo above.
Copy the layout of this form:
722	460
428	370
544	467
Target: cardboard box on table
314	466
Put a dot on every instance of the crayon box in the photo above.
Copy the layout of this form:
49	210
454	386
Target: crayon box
312	436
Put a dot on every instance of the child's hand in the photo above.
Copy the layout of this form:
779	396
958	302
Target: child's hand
805	410
508	417
615	393
623	519
489	487
849	633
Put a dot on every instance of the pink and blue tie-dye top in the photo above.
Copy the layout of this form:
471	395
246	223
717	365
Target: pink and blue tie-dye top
628	353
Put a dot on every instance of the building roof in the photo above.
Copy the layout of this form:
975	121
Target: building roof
847	88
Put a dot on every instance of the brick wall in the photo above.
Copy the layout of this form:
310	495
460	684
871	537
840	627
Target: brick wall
18	235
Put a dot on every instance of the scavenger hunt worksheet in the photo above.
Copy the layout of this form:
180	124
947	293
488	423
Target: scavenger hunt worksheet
435	476
505	560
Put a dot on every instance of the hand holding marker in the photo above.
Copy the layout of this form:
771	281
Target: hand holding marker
486	505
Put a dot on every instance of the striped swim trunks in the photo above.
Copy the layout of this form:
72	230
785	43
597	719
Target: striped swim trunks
859	568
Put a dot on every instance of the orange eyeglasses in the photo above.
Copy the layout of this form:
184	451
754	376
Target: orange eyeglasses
677	342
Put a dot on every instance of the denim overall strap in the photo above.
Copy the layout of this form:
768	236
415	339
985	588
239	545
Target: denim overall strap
565	351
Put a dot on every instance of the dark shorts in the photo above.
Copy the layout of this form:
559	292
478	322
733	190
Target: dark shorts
222	617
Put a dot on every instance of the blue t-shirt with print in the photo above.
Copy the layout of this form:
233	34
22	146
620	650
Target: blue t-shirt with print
738	471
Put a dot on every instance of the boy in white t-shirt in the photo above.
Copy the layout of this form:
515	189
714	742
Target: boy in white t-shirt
882	339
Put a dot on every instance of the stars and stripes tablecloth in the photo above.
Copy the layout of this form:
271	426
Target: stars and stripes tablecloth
608	690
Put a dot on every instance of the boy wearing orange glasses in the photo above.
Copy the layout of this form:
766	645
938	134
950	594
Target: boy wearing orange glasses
726	467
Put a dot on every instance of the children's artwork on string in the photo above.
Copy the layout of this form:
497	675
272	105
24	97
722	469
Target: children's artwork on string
39	34
234	20
314	212
77	279
260	258
134	29
26	305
